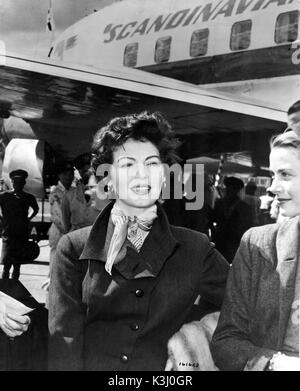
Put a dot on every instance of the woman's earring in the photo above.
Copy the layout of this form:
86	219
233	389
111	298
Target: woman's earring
109	190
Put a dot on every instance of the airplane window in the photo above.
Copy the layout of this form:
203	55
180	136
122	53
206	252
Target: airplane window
286	29
241	35
199	41
163	49
130	54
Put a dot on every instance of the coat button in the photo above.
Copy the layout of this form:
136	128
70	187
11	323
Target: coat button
134	327
124	358
139	293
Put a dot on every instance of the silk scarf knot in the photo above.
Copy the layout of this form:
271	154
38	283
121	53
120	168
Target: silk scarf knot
127	226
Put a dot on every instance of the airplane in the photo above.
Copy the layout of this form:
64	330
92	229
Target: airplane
116	60
247	47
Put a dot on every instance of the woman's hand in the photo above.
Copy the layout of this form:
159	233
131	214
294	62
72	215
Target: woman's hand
283	362
14	325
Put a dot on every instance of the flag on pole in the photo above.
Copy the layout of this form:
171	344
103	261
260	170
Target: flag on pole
50	26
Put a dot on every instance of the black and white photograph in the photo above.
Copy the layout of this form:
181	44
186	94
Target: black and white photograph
149	188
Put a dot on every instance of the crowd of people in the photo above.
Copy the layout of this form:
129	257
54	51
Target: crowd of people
124	282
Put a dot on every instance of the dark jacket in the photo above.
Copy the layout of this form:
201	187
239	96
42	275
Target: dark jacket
123	321
259	295
27	352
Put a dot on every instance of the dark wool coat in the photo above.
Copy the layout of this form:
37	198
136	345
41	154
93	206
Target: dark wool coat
259	294
123	321
29	351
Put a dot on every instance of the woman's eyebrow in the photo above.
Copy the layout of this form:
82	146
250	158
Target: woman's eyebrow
152	156
125	157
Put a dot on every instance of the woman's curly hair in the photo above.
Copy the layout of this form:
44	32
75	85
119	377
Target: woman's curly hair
142	127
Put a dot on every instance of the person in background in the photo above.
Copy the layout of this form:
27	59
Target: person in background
232	217
77	207
293	120
275	212
3	185
201	219
121	288
258	328
15	205
253	201
98	197
266	201
65	172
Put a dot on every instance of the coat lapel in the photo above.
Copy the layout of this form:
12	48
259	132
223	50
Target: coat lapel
158	246
287	246
94	246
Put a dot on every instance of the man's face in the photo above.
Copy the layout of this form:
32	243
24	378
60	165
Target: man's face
66	178
294	122
85	173
18	183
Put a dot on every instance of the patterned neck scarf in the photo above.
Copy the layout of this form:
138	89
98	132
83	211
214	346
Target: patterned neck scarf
130	227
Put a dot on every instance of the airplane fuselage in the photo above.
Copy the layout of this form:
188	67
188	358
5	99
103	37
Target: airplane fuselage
238	46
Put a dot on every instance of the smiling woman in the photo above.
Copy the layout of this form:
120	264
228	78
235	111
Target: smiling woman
285	165
260	314
121	289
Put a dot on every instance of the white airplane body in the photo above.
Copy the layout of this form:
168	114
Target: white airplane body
244	47
101	67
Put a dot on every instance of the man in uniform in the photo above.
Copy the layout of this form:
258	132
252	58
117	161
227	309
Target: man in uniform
15	206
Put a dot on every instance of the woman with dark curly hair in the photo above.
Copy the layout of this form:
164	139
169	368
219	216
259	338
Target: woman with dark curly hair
121	288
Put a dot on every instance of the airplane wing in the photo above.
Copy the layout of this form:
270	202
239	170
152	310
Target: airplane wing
64	105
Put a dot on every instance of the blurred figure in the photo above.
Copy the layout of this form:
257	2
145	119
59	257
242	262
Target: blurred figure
201	220
253	201
77	208
265	208
275	212
98	198
15	205
3	185
174	208
232	217
294	118
65	172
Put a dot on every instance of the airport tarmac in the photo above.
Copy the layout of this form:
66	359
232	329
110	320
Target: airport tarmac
34	274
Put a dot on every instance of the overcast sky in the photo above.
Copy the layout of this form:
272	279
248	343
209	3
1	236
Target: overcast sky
23	22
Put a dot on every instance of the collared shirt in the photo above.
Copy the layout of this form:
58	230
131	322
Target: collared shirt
76	211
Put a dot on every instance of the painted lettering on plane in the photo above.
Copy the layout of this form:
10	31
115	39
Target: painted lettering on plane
243	5
207	12
226	10
141	28
187	16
